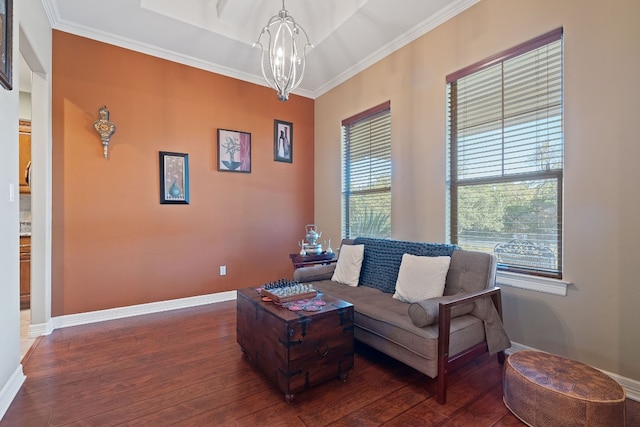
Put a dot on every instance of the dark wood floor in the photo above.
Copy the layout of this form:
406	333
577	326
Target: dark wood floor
184	368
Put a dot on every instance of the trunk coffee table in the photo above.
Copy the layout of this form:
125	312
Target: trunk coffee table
296	349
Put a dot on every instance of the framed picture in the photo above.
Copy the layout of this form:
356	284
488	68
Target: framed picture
6	42
174	178
282	141
234	151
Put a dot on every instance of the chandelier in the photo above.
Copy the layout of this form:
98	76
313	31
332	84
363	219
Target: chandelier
283	61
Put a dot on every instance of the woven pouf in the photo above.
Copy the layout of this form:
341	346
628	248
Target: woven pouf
543	389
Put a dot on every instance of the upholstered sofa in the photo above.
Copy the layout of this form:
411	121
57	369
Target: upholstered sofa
432	335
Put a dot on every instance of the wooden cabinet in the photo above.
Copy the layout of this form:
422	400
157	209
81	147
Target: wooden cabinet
25	155
300	261
25	272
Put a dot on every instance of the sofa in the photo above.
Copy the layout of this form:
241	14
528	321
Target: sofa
434	335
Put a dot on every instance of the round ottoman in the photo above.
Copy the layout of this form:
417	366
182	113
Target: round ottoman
543	389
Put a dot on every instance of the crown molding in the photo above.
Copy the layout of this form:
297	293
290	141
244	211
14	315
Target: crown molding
52	12
453	9
58	23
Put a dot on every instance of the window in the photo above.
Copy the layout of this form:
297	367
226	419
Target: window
505	157
366	173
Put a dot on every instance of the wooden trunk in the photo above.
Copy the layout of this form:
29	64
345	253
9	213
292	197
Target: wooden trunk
299	349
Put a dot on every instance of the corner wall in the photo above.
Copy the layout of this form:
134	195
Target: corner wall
114	244
11	376
596	321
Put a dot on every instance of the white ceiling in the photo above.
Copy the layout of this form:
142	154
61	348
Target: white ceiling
217	35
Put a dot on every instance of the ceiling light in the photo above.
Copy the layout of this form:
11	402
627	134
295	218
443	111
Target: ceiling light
283	60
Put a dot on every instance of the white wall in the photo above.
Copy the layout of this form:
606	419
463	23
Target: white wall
25	106
32	38
10	370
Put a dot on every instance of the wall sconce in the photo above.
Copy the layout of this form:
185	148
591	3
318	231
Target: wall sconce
105	128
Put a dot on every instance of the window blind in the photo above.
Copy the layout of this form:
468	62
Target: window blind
506	148
366	173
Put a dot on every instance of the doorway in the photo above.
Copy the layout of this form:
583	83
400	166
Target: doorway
32	70
24	181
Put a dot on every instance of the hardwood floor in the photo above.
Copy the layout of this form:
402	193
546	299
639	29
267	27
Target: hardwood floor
184	367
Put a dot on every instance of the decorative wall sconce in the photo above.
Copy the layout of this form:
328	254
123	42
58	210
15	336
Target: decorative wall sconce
105	128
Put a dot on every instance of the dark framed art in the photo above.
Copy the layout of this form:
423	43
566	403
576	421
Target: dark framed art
234	151
6	43
282	141
174	178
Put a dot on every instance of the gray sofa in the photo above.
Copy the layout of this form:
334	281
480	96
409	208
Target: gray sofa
432	336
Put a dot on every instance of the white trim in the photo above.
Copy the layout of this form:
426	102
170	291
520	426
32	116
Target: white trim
10	390
532	283
414	33
158	52
136	310
448	12
52	11
109	38
630	387
39	329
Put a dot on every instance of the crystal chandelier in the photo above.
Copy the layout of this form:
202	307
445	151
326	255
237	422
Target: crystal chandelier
283	60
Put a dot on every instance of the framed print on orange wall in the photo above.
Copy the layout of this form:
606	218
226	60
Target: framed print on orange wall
174	178
282	141
234	151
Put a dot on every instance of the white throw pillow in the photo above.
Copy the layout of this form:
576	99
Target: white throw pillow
349	263
421	277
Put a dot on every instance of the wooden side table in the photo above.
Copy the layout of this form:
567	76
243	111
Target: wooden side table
300	261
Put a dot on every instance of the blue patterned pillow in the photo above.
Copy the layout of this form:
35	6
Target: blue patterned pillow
382	258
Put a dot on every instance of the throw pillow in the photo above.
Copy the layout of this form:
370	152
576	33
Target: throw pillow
421	277
349	263
425	313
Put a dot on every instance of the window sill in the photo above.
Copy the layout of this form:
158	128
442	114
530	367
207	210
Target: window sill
532	283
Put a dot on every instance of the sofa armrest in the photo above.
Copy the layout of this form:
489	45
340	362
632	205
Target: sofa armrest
444	316
426	312
314	273
462	298
489	311
446	361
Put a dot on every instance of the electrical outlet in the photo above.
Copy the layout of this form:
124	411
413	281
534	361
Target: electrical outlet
223	270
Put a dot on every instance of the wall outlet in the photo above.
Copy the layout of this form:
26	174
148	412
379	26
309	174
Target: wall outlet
223	270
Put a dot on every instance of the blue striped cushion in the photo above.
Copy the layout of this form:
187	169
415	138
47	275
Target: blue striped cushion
382	258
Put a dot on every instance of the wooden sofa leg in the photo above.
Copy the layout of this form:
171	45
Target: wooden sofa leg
442	388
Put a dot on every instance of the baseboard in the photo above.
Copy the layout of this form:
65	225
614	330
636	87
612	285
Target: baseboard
137	310
40	329
518	347
631	387
10	390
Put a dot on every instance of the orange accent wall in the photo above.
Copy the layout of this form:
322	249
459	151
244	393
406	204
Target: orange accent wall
114	244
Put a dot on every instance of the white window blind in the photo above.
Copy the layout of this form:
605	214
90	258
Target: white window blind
505	134
366	173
